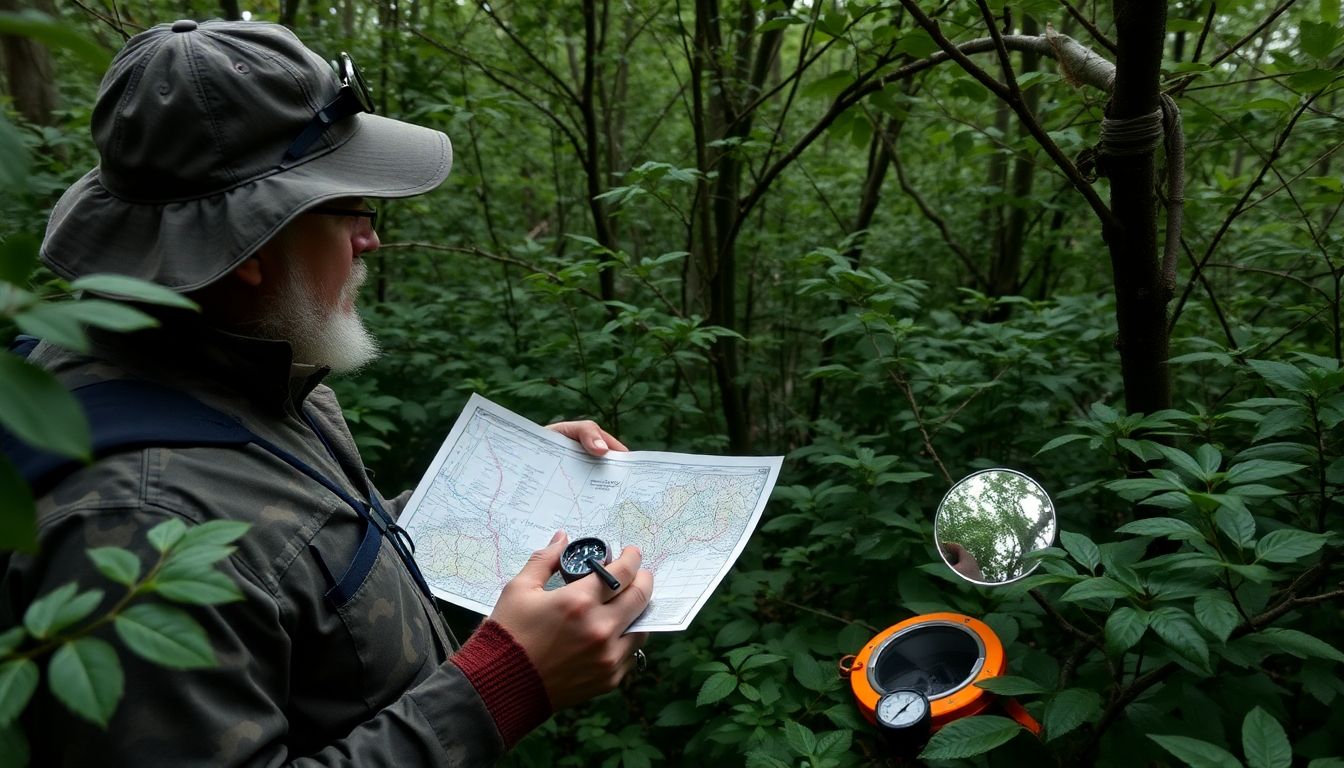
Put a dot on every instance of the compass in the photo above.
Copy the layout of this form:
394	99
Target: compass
905	718
585	556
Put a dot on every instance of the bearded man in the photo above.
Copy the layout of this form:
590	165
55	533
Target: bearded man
237	168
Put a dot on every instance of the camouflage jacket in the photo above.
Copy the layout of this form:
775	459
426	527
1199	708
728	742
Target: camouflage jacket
300	680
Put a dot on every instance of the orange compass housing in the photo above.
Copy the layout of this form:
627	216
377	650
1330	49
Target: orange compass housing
960	652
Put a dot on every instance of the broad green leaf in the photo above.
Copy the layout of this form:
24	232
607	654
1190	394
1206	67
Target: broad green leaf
39	411
1209	459
760	660
1264	741
1176	630
716	688
678	713
1082	549
12	638
1008	685
1318	39
1330	12
970	736
1184	462
123	287
166	636
1297	643
735	632
204	588
64	322
1327	762
1060	441
1260	469
801	739
85	675
56	34
213	533
1196	753
45	611
119	565
18	680
18	521
16	165
810	674
1069	709
1217	614
834	743
1124	627
1161	526
1288	546
166	534
1237	524
18	255
1096	587
1281	375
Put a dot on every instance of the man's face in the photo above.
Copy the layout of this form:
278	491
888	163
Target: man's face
316	278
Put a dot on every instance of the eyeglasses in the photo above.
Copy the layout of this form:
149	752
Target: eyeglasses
351	99
363	213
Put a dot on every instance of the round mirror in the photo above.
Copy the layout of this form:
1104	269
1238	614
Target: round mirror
989	522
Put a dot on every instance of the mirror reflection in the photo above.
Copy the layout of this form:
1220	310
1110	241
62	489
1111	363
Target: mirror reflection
989	522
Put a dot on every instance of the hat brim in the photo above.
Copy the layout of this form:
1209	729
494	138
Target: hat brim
188	244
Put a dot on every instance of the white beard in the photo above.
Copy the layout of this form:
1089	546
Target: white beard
332	337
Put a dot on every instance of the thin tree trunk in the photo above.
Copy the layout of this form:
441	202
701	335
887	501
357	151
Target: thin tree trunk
1140	291
28	69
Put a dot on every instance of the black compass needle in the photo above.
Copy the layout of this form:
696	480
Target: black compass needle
604	574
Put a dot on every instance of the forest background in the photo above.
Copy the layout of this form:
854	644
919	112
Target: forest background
897	241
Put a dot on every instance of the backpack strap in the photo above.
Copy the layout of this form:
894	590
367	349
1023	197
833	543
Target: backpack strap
126	415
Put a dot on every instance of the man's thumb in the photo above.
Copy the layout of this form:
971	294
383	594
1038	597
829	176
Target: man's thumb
544	561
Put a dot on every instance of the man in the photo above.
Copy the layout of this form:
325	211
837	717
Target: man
235	166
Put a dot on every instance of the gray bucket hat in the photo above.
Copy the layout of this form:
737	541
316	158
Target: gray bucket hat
195	126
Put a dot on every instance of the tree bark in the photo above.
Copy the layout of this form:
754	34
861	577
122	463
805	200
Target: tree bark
28	69
1140	294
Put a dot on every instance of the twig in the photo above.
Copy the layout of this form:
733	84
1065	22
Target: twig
1091	28
935	218
1176	89
904	385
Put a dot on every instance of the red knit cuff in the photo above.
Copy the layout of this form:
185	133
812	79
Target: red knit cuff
499	670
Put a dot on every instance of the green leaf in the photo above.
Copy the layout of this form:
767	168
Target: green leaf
1209	459
12	638
1260	469
203	588
64	322
1264	741
1217	614
1184	462
678	713
1176	630
1297	643
1237	524
1330	12
1288	546
166	636
117	564
1082	549
809	673
834	743
1124	627
18	256
86	677
39	411
1094	588
1196	753
800	738
56	34
166	534
735	632
1281	375
18	521
1318	39
970	736
716	688
45	611
760	660
1007	685
213	533
1069	709
1059	441
18	680
1161	526
191	561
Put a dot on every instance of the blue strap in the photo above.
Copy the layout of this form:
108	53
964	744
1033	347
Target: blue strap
127	415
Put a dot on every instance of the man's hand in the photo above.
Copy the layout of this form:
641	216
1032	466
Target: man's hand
575	635
595	440
962	561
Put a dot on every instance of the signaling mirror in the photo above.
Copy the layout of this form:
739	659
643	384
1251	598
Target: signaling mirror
989	522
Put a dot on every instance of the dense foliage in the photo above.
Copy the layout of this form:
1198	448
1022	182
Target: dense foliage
809	229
